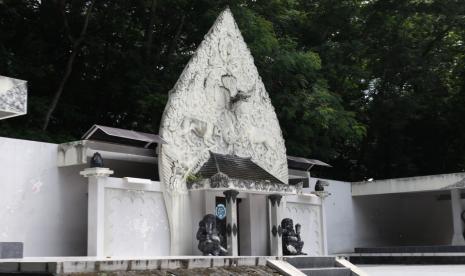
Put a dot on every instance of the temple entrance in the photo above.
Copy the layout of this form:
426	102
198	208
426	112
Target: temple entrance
221	225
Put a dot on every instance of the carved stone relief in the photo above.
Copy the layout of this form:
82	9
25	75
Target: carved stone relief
13	97
219	104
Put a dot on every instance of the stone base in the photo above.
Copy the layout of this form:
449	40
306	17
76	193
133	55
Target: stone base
11	250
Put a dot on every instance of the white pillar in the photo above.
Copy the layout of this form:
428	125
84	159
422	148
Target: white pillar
231	222
97	178
323	228
274	215
456	202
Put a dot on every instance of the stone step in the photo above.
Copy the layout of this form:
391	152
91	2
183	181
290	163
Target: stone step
327	271
412	249
311	262
408	259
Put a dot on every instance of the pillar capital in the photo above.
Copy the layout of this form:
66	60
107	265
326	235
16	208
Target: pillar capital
102	172
231	195
275	199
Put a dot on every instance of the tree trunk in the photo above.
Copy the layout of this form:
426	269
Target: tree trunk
149	30
175	38
69	67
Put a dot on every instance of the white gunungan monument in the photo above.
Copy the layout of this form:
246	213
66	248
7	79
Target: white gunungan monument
219	104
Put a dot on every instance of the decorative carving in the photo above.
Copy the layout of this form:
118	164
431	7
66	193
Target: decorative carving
275	199
230	195
234	230
209	240
219	180
274	230
220	104
244	185
13	96
292	243
228	229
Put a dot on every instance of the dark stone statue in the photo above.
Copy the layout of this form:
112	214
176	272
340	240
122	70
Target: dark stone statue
292	243
209	240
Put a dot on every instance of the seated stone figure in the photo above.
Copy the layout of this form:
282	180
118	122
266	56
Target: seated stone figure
209	240
292	243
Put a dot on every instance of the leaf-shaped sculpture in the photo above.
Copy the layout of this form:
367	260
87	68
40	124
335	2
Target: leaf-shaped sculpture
219	104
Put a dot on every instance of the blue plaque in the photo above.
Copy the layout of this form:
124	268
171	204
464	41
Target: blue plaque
220	211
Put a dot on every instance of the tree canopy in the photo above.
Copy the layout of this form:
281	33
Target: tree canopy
376	88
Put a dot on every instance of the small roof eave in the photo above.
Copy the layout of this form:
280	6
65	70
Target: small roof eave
301	163
118	135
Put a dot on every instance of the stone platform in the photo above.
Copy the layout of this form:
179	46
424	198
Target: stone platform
90	265
180	265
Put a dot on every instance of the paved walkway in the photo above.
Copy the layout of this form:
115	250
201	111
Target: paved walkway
414	270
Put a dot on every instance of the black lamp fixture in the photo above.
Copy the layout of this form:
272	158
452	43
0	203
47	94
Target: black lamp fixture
96	161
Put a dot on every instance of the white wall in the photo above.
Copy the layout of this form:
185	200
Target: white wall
384	220
339	210
135	219
40	205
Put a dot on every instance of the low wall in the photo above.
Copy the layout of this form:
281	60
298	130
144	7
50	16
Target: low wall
136	222
40	205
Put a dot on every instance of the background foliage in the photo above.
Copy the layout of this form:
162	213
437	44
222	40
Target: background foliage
376	88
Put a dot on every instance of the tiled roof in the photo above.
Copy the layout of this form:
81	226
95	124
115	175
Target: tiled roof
235	167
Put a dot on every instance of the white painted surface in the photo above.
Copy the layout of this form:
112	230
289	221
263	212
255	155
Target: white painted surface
40	205
342	229
406	185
